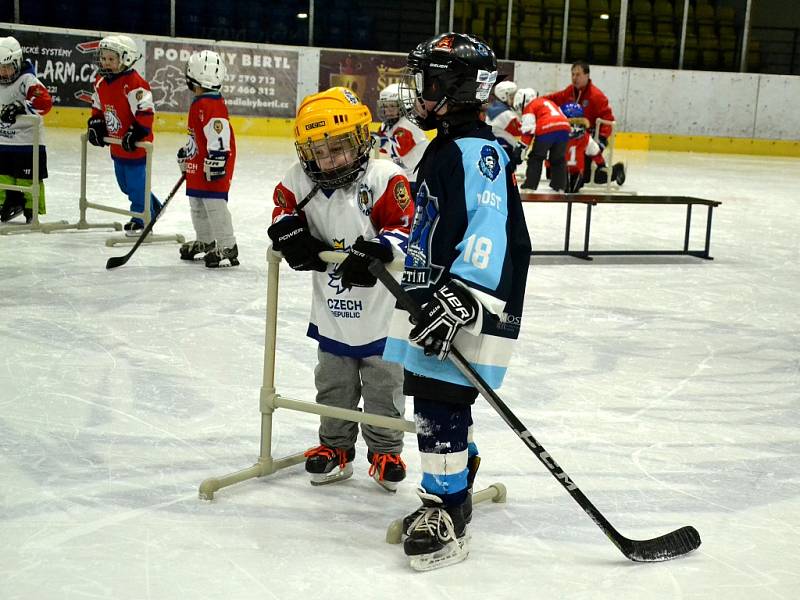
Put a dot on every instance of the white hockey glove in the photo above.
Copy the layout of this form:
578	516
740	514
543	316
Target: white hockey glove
214	165
451	307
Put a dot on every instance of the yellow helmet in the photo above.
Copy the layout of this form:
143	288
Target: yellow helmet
331	134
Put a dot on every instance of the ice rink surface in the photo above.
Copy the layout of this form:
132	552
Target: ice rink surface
667	388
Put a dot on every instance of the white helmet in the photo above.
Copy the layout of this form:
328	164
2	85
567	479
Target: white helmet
389	103
10	54
206	69
523	97
504	91
124	46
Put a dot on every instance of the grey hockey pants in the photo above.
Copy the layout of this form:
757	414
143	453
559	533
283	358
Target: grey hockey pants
212	221
342	381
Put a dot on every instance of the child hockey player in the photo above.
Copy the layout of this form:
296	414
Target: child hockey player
208	159
466	266
122	108
501	116
336	197
21	93
580	145
399	139
546	127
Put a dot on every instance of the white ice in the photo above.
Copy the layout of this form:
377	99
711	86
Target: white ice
667	388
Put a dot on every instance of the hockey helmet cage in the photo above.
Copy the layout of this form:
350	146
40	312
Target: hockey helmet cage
205	69
523	97
455	68
332	139
125	48
504	91
572	110
389	103
10	54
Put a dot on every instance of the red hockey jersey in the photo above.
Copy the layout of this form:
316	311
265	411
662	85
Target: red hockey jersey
209	131
541	116
123	99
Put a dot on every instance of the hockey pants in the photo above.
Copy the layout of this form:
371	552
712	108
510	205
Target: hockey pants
553	147
212	221
17	197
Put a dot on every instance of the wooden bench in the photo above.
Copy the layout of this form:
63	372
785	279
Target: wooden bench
592	200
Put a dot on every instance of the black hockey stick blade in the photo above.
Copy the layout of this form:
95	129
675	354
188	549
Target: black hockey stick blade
118	261
672	545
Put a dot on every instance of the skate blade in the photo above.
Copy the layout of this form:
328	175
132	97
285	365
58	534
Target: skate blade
333	476
453	553
389	486
223	265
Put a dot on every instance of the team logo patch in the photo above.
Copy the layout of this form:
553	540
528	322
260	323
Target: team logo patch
351	97
445	44
338	244
489	163
113	124
401	195
217	126
139	95
280	199
420	270
365	200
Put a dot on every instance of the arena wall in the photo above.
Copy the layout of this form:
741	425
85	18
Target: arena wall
656	109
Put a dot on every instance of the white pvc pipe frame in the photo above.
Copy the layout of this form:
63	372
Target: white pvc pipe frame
270	400
33	188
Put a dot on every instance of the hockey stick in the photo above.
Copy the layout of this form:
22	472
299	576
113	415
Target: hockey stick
118	261
673	544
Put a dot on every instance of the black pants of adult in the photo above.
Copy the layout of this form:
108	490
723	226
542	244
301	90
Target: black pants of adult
553	147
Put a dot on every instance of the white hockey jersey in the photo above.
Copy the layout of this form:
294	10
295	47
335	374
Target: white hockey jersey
377	206
34	95
404	143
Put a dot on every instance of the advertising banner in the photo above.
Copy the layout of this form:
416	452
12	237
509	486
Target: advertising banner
368	73
64	63
259	82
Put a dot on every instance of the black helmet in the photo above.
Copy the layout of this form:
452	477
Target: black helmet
455	68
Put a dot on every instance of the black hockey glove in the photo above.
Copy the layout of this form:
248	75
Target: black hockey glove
354	270
136	133
9	112
183	159
97	131
215	164
451	307
516	154
291	238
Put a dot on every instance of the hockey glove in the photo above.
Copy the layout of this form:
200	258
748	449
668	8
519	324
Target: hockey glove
601	175
517	153
300	249
183	158
354	270
451	307
214	165
9	112
136	133
97	131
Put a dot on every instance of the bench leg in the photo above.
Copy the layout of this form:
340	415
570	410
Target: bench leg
688	228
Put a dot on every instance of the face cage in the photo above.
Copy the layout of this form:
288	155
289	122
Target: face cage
106	72
357	141
13	77
384	105
411	105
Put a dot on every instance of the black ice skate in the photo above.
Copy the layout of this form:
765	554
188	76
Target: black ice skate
190	250
618	173
222	257
322	461
438	537
9	210
387	469
472	468
133	228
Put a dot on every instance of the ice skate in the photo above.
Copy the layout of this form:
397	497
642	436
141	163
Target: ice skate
190	250
133	228
438	537
618	173
321	463
388	470
222	257
9	211
472	468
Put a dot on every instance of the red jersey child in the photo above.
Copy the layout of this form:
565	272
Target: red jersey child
581	145
122	108
542	123
208	159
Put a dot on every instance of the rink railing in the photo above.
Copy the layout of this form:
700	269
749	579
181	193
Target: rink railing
84	203
34	189
270	400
